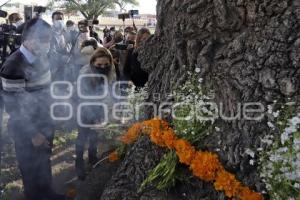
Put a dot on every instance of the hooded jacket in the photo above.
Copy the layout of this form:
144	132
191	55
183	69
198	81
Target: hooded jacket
91	88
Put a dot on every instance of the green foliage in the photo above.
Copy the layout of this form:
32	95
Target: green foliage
11	191
187	125
163	175
189	122
62	139
92	9
121	150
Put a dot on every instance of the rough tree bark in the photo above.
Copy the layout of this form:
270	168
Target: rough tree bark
248	51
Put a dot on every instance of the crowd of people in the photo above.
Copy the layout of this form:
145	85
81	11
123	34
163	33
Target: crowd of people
61	52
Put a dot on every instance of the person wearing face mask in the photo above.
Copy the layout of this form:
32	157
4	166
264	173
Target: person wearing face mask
87	49
94	34
129	43
17	26
84	35
26	80
108	36
71	32
84	32
131	38
132	69
16	21
101	64
59	47
117	38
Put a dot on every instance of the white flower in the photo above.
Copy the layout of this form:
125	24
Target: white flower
297	141
252	162
276	114
200	80
197	70
217	129
284	137
271	125
267	140
297	185
270	109
295	121
250	153
283	150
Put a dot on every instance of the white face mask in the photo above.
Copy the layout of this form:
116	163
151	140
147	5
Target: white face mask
19	23
71	28
85	35
59	25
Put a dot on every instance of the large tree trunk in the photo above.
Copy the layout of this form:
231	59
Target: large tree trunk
248	51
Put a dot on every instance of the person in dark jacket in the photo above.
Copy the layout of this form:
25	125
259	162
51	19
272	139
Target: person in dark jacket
101	63
94	34
26	80
132	68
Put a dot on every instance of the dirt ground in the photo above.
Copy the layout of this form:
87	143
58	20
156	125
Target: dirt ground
63	169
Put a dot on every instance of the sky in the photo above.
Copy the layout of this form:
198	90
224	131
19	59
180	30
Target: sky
145	6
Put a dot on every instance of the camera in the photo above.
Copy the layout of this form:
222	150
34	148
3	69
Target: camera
121	46
39	9
133	13
29	12
9	38
3	14
123	16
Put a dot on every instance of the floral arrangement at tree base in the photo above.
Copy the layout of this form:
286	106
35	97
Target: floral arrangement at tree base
204	165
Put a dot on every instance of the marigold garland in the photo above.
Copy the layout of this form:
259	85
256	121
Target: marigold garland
113	156
204	165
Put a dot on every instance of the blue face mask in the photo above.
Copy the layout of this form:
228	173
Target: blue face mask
59	25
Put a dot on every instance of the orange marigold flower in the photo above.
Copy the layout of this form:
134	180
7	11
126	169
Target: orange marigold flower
132	134
227	182
156	124
114	156
185	151
71	192
169	138
246	194
205	165
156	138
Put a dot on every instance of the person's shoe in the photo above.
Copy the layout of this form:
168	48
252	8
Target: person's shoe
81	175
80	171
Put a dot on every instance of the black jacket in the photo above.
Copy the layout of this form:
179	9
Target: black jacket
133	70
27	99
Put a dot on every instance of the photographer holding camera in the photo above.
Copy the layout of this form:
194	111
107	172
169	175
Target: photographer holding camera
10	37
132	68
